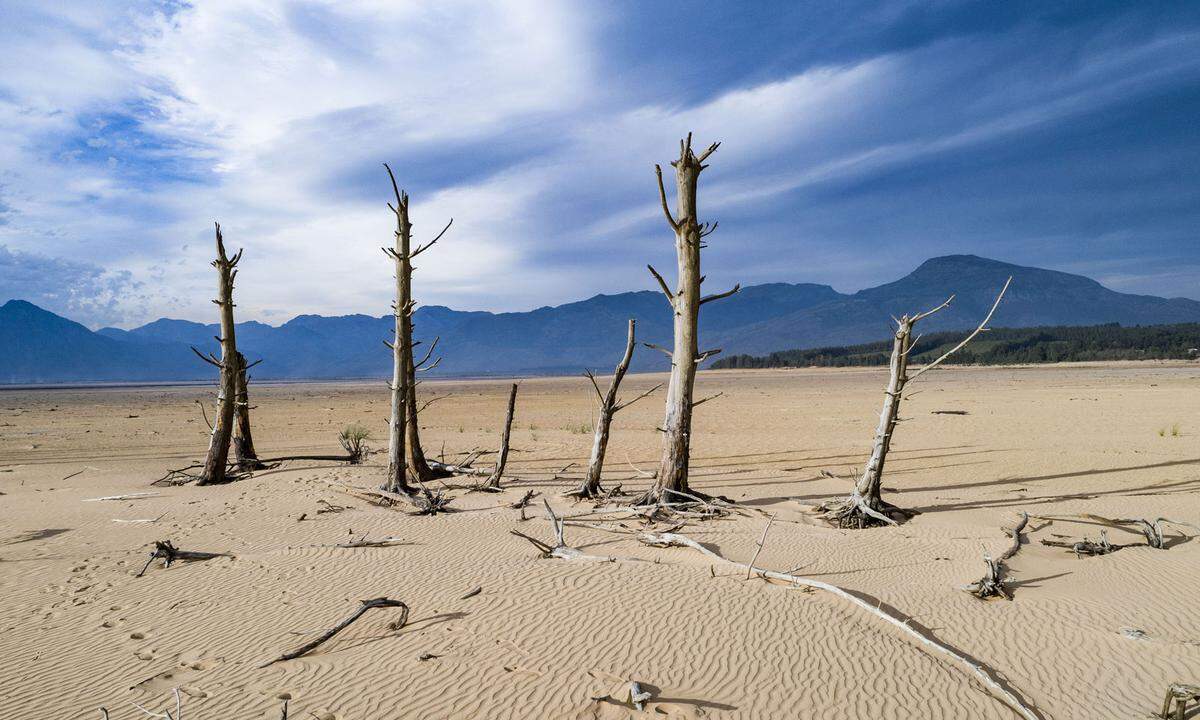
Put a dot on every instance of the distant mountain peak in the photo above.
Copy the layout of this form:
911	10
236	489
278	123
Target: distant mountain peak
43	347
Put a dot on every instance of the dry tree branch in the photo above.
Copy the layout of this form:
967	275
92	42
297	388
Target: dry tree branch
164	715
662	196
660	348
986	675
662	284
428	352
622	406
761	542
380	602
720	296
965	340
993	584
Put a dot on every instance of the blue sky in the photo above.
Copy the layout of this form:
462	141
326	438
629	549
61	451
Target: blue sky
859	139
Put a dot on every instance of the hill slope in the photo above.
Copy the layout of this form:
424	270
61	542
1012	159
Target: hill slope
43	347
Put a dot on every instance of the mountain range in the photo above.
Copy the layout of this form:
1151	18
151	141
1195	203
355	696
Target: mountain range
41	347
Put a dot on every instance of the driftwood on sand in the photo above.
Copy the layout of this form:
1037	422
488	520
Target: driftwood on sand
167	551
380	602
559	549
993	584
998	687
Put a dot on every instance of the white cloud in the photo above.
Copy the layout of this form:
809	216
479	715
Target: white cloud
272	116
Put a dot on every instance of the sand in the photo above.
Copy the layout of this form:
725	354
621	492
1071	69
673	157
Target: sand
1097	637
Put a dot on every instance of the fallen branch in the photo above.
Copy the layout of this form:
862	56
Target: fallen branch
761	542
140	520
524	501
1153	531
559	549
1181	694
1086	546
638	696
986	675
130	496
169	553
164	715
366	543
992	584
366	605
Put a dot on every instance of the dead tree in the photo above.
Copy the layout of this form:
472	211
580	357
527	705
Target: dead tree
685	303
608	407
218	446
865	507
243	440
492	484
404	441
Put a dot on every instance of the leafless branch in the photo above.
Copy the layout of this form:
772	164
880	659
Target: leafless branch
662	196
968	338
662	284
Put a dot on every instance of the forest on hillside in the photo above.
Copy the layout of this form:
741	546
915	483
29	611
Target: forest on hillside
1002	346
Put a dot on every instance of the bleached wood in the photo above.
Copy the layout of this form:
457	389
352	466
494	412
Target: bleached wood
609	406
685	304
216	460
982	673
865	506
363	607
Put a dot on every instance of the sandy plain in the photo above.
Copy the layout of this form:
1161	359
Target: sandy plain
1097	637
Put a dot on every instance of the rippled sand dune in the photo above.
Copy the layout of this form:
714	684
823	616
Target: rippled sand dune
1097	637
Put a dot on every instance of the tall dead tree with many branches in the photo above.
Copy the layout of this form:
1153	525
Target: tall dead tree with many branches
609	406
865	507
685	303
216	463
405	457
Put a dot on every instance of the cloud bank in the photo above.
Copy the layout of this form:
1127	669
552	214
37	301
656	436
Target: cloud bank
857	142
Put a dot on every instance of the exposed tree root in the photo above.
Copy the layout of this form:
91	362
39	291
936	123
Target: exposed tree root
856	512
993	584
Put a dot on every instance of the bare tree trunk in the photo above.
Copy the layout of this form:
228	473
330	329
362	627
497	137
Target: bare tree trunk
872	478
397	475
493	481
402	348
608	407
865	507
218	447
685	304
243	440
418	466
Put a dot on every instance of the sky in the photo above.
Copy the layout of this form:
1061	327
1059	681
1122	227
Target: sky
858	139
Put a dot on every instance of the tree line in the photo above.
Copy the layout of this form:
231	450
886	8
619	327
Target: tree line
1002	346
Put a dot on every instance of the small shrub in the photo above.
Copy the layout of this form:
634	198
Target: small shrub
1175	430
354	438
